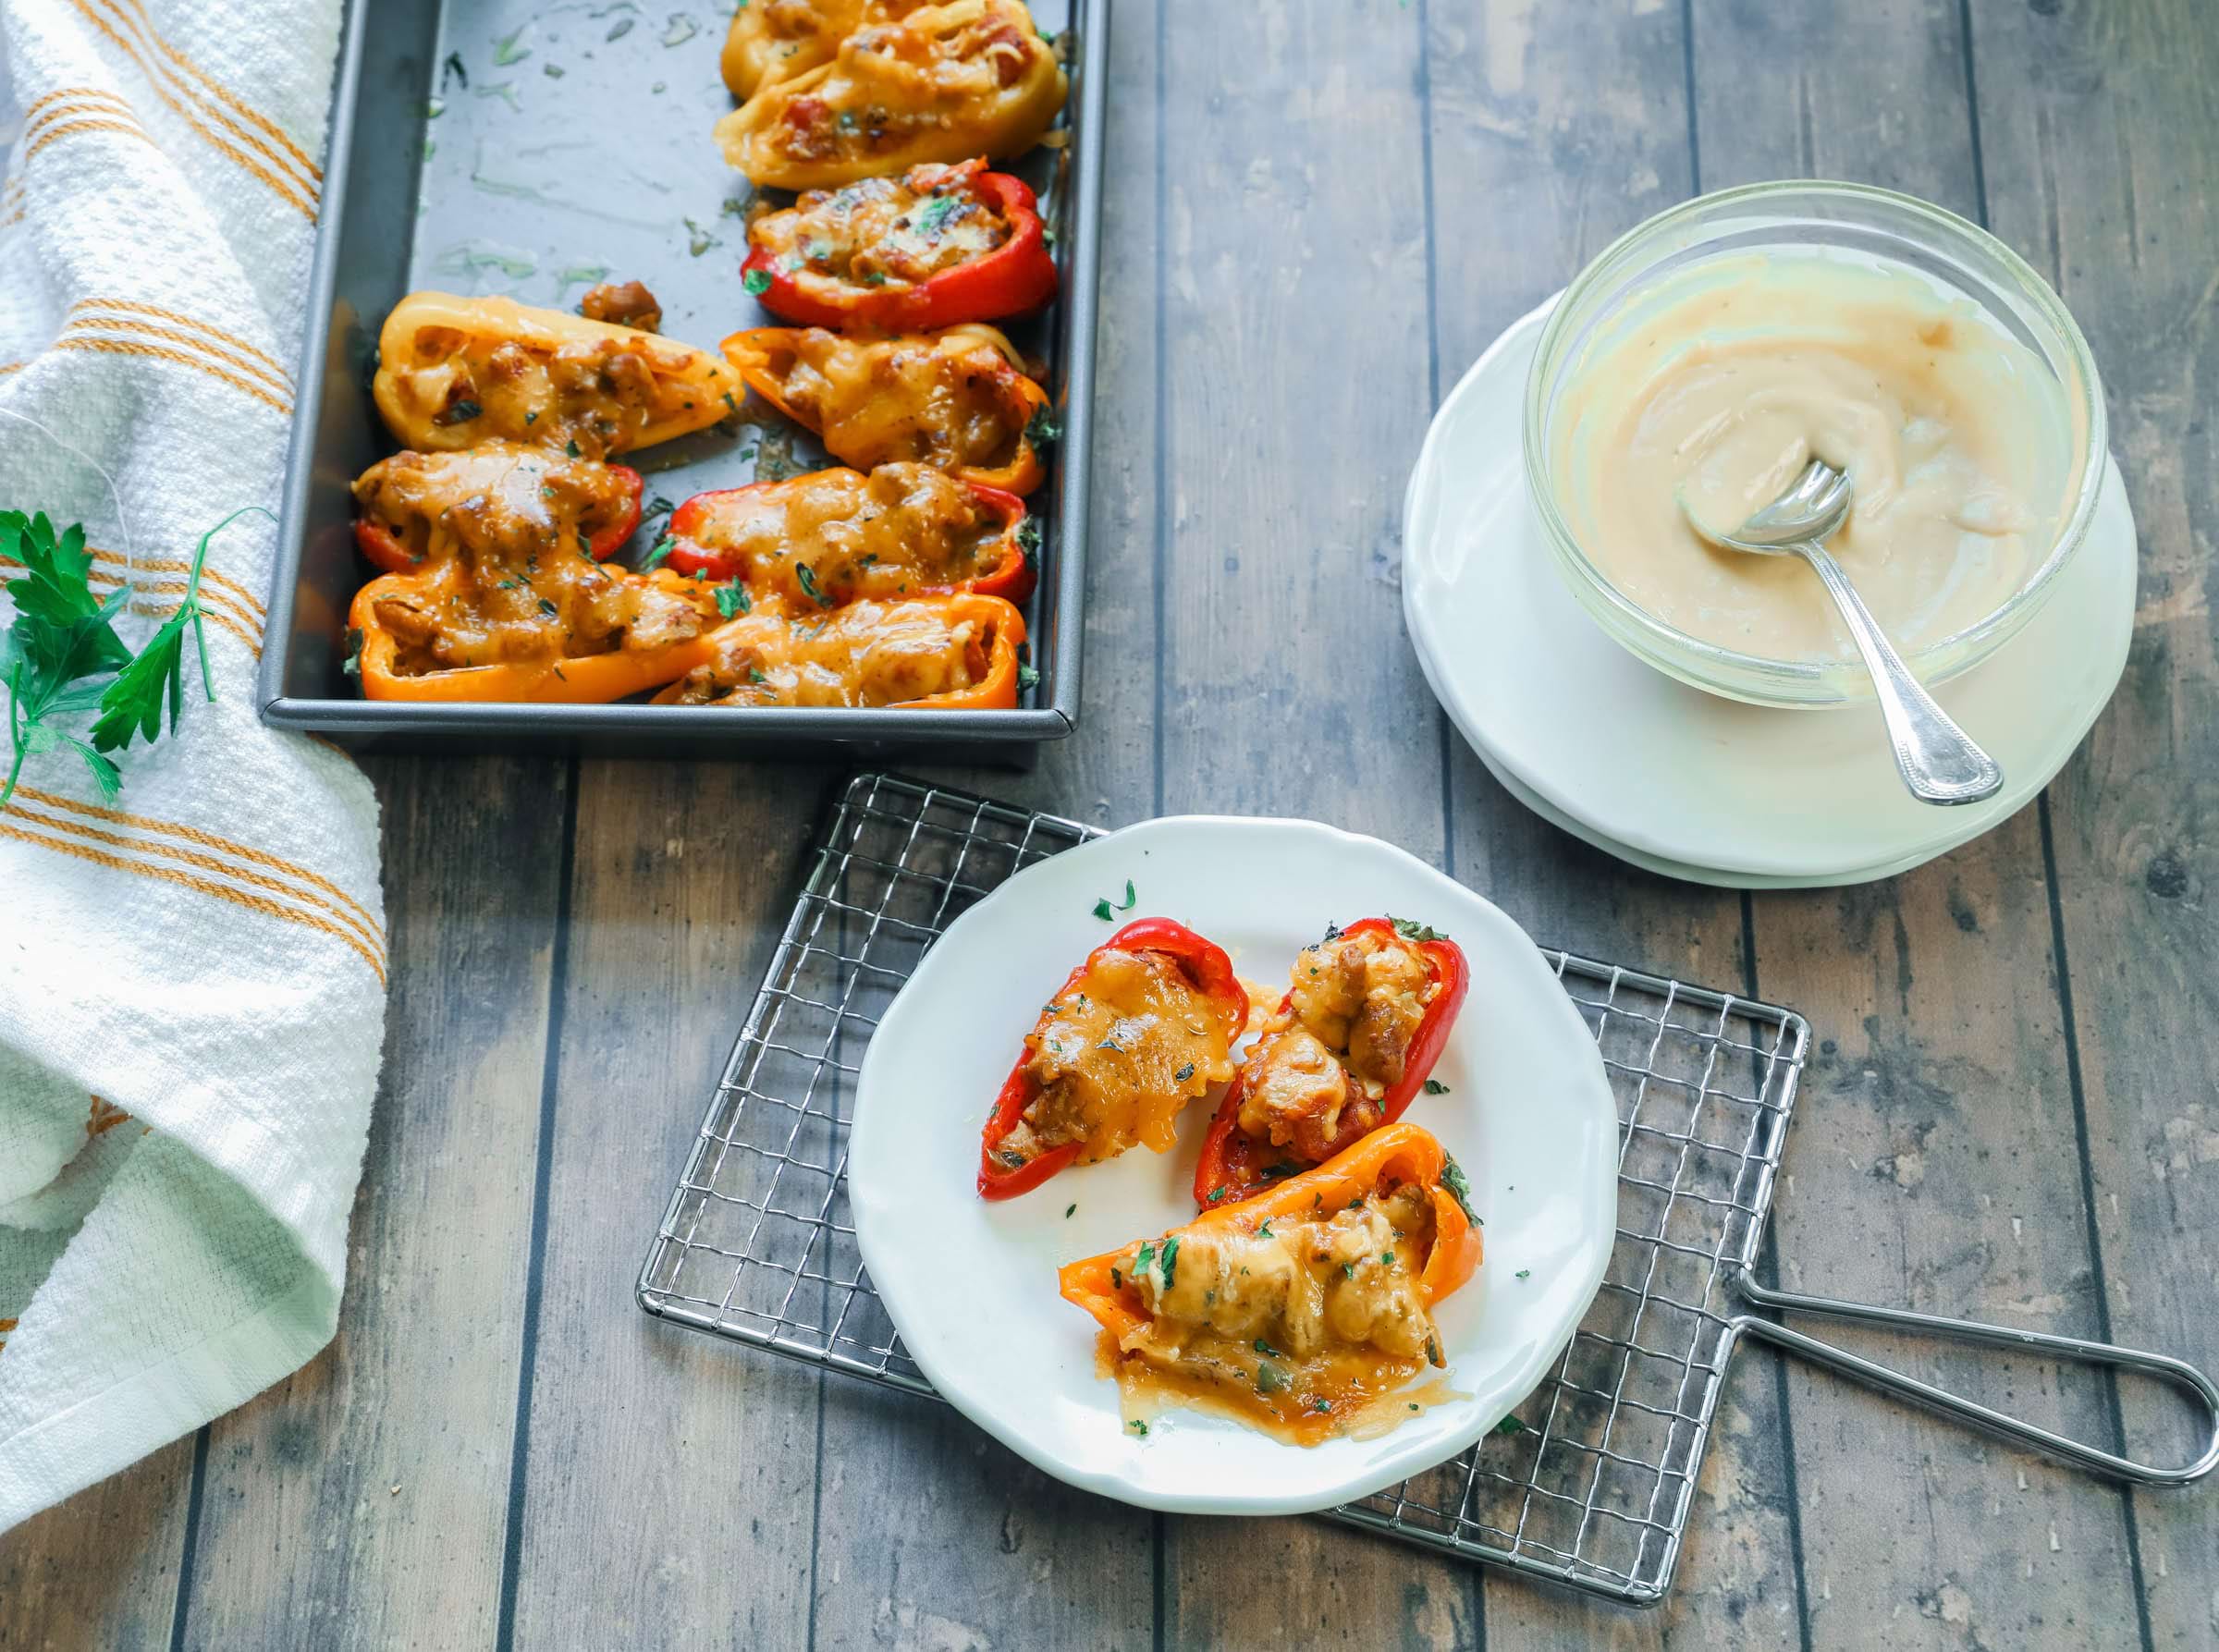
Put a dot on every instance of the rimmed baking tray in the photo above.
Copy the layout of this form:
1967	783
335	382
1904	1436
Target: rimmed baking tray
513	147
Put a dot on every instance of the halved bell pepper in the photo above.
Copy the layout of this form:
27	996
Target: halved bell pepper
399	623
503	500
458	372
968	78
937	247
957	399
923	654
817	541
1235	1163
1009	1164
1233	1344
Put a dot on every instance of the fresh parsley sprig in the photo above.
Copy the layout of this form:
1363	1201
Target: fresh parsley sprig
61	655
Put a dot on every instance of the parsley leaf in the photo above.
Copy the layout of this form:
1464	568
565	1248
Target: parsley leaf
756	281
1507	1426
1411	931
1435	1088
733	599
808	577
1042	429
1106	913
654	559
1459	1186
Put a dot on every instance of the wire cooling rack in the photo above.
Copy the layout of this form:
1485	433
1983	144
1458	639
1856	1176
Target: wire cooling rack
1592	1483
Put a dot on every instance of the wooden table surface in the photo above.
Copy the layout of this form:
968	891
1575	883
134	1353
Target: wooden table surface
1318	214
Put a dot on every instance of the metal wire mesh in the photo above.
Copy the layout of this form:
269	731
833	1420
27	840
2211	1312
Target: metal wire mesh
1590	1485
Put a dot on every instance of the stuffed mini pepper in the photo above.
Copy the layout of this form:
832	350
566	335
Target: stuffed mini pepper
457	373
1143	1026
822	540
500	502
926	654
1350	1047
941	83
770	39
1304	1311
934	248
957	399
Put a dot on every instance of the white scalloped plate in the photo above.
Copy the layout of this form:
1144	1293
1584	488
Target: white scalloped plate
1684	782
971	1286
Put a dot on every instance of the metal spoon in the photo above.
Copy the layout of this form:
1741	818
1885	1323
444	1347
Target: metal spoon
1938	760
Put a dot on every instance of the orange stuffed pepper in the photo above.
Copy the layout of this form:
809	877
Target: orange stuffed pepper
958	400
927	654
771	39
942	83
457	373
1306	1311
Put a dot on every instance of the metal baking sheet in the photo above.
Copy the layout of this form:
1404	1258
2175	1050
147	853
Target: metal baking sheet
506	146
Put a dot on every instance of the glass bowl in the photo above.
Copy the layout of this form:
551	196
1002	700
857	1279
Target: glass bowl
1812	219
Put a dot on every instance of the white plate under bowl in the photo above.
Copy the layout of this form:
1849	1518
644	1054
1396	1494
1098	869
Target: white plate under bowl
971	1286
1691	784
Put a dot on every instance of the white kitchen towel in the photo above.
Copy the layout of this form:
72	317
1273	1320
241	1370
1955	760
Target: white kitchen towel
192	979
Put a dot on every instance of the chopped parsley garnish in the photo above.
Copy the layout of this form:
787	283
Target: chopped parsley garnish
1216	1194
1459	1186
654	559
1028	540
1139	1428
1415	932
1027	679
1386	1258
1332	933
733	599
756	281
1435	1088
935	216
1111	1044
1171	1260
1269	1379
549	609
1507	1426
532	417
1349	1268
1042	430
571	447
1266	1349
1067	1211
458	413
807	576
1525	1273
1264	1232
1184	1073
353	666
1106	913
755	674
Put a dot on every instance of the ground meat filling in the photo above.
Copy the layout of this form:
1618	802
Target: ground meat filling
1122	1050
1248	1306
586	399
626	303
1314	1080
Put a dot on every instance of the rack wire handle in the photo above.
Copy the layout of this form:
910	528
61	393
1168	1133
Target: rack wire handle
2075	1454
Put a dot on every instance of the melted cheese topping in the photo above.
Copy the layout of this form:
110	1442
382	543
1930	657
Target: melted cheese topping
1343	1036
884	232
943	84
867	653
473	611
501	502
830	537
1123	1051
1305	1326
940	399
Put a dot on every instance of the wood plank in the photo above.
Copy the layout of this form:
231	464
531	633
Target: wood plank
1570	125
2102	165
668	1479
1927	1171
1296	393
362	1500
930	1532
102	1568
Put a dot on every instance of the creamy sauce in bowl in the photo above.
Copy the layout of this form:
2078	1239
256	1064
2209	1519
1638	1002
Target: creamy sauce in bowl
1711	394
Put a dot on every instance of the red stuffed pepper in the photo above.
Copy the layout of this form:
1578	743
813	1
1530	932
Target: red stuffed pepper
934	248
1140	1029
1350	1047
496	501
831	537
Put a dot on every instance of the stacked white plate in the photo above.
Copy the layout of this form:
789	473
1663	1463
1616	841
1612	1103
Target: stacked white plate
1682	782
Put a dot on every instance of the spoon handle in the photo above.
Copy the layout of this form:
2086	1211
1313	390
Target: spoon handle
1938	760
